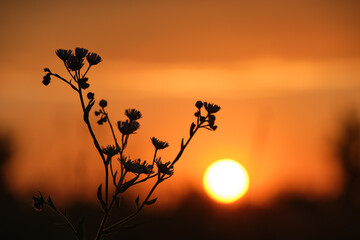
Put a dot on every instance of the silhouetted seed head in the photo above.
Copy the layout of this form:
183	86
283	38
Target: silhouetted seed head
47	70
111	150
136	166
214	127
202	119
133	114
159	144
74	63
90	95
211	108
127	127
97	113
46	79
93	58
63	54
197	113
80	52
199	104
103	103
164	168
38	203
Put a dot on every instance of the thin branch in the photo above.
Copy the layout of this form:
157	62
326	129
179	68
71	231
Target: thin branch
110	228
183	147
112	130
144	179
66	220
86	120
66	81
153	162
86	71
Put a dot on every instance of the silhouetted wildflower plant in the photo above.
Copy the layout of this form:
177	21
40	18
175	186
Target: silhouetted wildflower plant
129	172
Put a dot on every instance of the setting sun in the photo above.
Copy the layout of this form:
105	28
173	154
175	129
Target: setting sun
226	181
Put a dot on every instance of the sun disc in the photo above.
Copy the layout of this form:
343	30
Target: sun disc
226	181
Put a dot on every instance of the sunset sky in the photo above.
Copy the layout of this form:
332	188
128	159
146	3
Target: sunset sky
284	72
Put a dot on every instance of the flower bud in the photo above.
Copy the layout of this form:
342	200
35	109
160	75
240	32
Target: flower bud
103	103
199	104
90	95
46	79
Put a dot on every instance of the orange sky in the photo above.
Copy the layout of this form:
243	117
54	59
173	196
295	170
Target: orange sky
283	72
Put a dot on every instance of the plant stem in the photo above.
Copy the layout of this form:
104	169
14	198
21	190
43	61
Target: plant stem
107	212
67	221
86	120
112	130
86	71
106	184
183	147
66	81
104	220
96	143
108	229
109	207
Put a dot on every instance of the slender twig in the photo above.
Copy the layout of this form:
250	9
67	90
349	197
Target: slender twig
112	129
66	220
86	71
86	120
66	81
106	184
110	228
183	147
144	179
111	170
153	162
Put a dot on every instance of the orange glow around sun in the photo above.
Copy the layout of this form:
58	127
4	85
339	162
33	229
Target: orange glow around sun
226	181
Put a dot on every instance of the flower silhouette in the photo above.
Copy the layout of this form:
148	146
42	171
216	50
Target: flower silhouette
63	54
211	108
165	168
128	127
111	150
93	58
80	52
74	63
133	114
159	144
135	166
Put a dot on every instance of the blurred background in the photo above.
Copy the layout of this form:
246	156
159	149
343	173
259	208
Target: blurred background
286	74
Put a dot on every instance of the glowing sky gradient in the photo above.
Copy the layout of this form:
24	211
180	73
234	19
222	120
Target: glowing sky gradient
284	72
